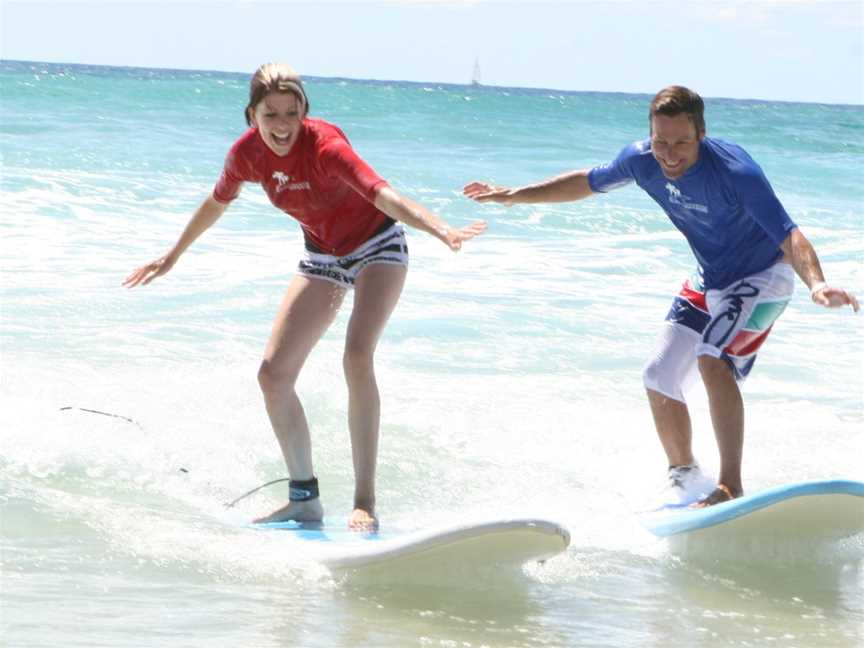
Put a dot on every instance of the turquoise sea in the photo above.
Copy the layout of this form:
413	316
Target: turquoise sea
510	375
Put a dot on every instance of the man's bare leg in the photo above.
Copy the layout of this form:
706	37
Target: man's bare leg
727	416
672	421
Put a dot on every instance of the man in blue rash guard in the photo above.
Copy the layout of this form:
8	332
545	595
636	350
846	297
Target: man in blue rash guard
746	247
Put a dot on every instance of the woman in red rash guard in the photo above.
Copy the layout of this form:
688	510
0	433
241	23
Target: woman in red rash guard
352	225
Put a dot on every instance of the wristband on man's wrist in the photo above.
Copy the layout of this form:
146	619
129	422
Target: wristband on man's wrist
816	287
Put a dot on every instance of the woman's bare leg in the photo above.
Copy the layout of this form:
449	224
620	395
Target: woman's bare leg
308	308
376	294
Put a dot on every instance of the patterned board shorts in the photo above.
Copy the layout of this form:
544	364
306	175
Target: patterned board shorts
387	247
734	322
731	323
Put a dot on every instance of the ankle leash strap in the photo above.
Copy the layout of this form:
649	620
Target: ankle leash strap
303	491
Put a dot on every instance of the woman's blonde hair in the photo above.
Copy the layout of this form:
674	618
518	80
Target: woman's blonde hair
275	77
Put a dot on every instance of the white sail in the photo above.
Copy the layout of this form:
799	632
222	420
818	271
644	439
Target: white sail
475	76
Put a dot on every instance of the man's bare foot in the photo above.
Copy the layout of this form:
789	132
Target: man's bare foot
308	511
719	495
362	520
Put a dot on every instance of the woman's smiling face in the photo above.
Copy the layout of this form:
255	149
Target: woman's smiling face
279	118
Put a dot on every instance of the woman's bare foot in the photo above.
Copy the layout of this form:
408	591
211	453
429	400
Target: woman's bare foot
308	511
362	520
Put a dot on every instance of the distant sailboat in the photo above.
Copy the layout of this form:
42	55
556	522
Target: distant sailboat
475	76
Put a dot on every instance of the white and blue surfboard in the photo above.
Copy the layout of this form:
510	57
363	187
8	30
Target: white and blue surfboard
428	555
822	510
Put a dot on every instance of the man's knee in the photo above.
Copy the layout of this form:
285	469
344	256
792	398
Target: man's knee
662	379
711	367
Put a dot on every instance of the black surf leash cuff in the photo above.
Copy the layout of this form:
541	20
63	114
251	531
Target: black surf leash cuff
303	491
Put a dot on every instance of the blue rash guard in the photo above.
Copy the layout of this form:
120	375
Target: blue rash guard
723	205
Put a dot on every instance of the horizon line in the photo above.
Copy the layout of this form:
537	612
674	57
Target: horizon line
426	83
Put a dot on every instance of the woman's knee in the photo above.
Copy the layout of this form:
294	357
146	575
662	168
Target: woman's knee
275	380
358	362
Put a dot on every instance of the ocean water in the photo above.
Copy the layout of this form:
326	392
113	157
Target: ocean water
510	375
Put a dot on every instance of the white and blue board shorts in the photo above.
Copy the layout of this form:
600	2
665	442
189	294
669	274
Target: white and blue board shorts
388	246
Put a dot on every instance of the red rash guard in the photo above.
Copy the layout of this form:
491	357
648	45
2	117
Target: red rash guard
322	183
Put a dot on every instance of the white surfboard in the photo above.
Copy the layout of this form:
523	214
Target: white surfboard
429	555
824	510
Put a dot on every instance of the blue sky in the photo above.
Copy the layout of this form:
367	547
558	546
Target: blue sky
796	51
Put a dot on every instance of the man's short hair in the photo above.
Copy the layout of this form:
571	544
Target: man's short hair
675	100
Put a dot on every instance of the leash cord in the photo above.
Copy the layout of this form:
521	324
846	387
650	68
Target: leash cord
255	490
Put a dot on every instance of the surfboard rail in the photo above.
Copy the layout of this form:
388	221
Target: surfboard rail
673	521
439	554
496	542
